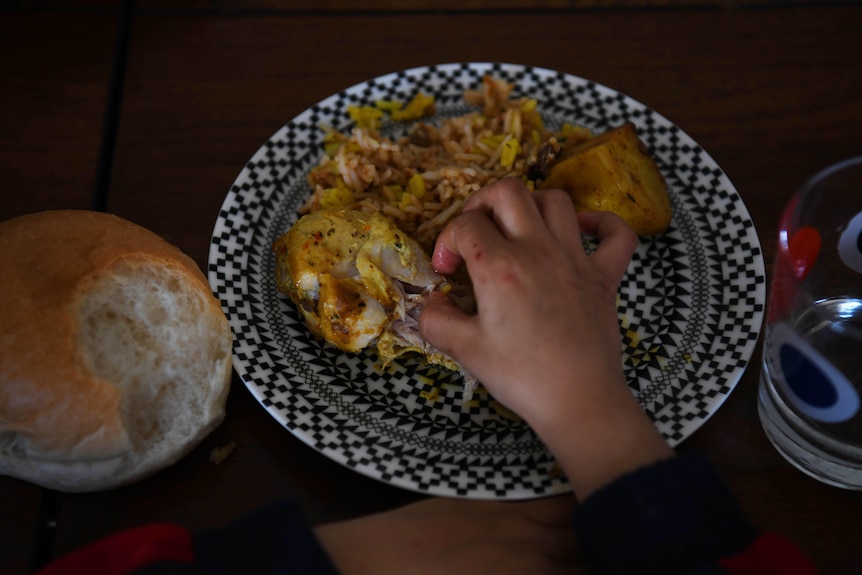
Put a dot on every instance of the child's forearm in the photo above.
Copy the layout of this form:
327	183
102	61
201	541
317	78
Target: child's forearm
600	435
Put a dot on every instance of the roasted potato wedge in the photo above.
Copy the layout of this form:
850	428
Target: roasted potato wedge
615	172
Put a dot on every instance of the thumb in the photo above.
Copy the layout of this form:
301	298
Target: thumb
445	326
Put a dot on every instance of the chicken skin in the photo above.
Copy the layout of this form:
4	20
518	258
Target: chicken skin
359	282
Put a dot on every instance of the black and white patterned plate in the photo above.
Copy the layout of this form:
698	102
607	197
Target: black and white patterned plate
690	306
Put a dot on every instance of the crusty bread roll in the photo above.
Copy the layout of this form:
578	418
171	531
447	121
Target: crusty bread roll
116	357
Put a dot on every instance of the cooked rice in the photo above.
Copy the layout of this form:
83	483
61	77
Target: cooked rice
421	180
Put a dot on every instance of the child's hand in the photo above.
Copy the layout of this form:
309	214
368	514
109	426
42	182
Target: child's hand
545	341
546	311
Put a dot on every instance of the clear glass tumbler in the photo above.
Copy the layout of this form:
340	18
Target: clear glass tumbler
811	383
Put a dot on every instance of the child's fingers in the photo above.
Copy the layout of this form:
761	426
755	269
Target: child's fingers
617	241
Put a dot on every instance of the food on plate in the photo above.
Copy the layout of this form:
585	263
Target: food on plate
376	196
116	356
614	172
421	178
359	282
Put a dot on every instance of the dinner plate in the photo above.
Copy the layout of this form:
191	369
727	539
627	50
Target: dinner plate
690	306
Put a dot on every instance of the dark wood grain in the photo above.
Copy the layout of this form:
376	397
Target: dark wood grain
772	94
19	524
303	6
54	72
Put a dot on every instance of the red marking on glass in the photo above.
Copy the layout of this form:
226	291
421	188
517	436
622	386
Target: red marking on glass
804	247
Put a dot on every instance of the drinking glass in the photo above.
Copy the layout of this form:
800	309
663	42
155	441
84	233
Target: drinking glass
811	382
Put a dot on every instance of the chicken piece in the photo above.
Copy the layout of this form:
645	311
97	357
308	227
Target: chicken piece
360	282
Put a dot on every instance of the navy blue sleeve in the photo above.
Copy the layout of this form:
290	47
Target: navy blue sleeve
676	516
274	539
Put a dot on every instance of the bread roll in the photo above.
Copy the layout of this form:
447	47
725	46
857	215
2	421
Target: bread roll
116	357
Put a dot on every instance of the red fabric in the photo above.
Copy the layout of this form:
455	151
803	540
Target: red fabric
127	551
770	554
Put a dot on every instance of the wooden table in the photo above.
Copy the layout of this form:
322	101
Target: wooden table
150	111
